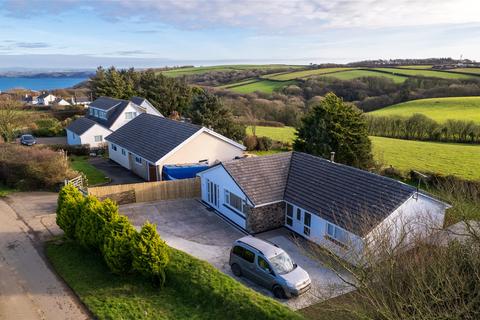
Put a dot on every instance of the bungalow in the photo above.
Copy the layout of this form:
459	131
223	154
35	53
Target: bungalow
148	143
334	205
61	102
106	115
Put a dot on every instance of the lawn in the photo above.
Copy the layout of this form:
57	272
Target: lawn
302	74
94	176
425	73
284	134
265	86
194	290
417	67
461	160
353	74
439	109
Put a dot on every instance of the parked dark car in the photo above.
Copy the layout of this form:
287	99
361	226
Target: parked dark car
27	140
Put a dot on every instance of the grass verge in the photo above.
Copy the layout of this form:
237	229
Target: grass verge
5	190
194	290
94	176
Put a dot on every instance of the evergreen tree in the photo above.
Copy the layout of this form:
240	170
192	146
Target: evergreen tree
68	209
117	245
208	110
333	125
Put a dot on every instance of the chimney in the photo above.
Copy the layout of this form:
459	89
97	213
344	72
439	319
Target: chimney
332	156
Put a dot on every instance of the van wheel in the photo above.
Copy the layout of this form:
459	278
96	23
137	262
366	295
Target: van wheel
236	270
278	292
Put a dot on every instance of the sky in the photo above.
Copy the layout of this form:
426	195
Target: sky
146	33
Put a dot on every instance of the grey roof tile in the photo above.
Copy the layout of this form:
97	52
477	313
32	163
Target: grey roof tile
152	137
263	179
354	199
81	125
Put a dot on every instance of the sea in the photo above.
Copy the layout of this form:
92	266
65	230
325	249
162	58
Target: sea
7	83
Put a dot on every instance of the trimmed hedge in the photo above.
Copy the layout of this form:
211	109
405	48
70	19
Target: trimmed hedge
98	226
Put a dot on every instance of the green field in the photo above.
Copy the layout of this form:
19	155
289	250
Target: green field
416	67
439	109
353	74
302	74
284	134
199	70
94	176
467	70
424	73
238	84
461	160
265	86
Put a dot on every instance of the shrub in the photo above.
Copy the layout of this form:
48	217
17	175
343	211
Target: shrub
150	254
48	127
68	209
250	142
264	143
81	150
117	245
28	168
90	224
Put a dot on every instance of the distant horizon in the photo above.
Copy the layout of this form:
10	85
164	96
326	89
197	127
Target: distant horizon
55	64
79	34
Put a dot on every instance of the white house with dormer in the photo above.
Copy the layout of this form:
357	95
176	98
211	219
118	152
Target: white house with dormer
104	116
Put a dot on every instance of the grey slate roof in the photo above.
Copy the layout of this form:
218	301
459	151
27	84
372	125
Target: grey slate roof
115	108
152	137
263	179
138	100
354	199
81	125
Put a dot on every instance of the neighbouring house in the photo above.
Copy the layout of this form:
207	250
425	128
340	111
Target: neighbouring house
333	205
46	99
30	99
104	116
149	143
80	101
61	102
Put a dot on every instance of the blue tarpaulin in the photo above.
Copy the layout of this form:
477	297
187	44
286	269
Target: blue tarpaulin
174	172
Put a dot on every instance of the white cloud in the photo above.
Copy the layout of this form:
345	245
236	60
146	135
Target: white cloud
277	16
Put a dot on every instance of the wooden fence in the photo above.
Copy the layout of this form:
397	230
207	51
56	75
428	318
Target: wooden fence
149	191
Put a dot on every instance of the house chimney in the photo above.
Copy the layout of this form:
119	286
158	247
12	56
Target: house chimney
332	156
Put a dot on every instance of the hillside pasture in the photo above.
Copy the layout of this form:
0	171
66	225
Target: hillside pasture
475	71
266	86
354	74
416	67
199	70
460	160
424	73
282	76
438	109
284	134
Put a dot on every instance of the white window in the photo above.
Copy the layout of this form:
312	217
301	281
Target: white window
289	218
130	115
235	202
336	234
91	111
138	160
114	147
98	138
95	112
307	221
73	135
124	153
102	114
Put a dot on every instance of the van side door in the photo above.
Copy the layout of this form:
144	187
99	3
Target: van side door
265	273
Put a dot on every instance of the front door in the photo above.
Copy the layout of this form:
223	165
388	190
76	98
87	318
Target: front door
213	195
152	172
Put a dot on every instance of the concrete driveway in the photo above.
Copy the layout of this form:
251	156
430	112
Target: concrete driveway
191	227
117	173
29	288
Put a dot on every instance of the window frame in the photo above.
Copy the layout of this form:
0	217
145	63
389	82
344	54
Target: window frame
136	160
289	215
124	152
132	115
334	237
114	147
95	138
228	195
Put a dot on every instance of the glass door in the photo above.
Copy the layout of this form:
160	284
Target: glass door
213	193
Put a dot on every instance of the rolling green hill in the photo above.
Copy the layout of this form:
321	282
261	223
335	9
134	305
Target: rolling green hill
353	74
446	158
199	70
266	86
284	76
424	73
439	109
467	70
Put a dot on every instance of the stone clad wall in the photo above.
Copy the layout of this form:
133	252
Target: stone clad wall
266	217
